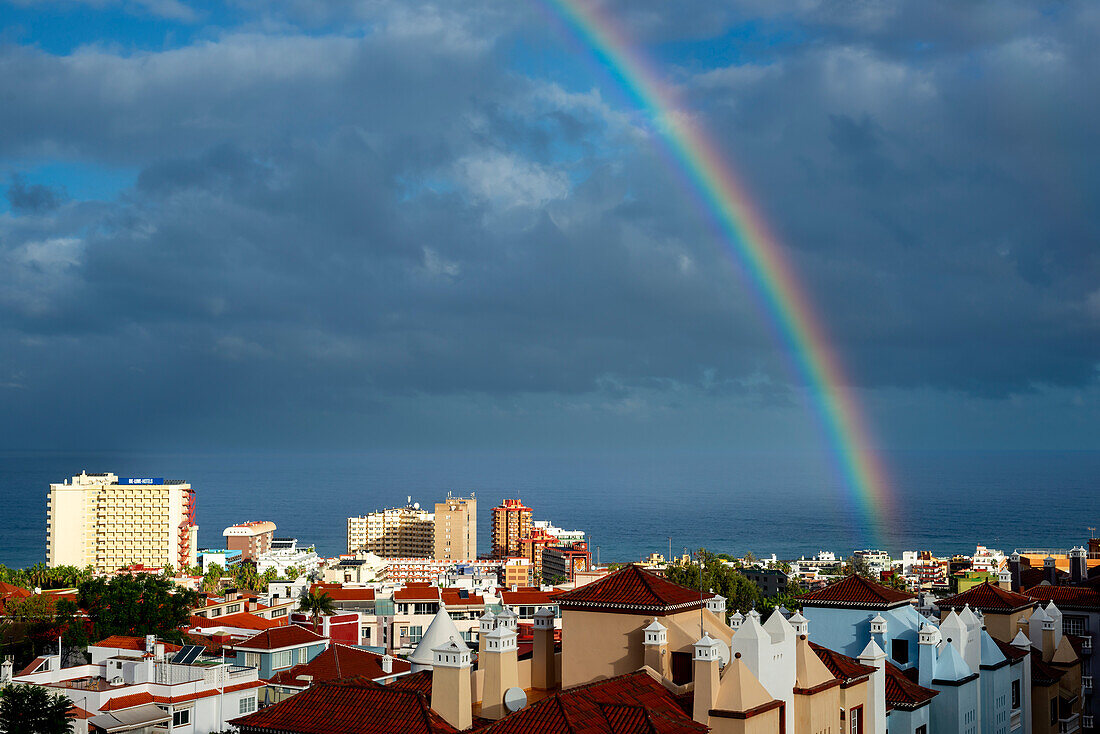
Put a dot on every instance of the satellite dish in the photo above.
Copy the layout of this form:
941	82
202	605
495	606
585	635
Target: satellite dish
514	699
723	654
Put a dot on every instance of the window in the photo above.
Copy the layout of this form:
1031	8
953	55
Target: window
364	634
232	608
1074	626
855	720
216	612
281	659
247	705
899	651
252	659
1053	711
181	718
415	633
922	729
278	613
1015	694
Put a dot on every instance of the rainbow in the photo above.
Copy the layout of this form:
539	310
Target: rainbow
745	234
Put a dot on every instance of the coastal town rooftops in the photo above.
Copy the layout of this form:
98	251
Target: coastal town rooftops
340	593
632	590
237	620
122	642
1066	597
988	597
858	592
252	527
354	706
279	637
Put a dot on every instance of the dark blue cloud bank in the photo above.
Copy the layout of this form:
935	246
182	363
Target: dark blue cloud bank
424	224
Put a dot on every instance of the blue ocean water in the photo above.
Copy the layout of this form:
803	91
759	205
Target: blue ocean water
629	503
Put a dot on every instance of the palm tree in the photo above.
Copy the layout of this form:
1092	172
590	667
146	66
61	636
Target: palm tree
316	604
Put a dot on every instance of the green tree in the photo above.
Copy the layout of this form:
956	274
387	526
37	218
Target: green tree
27	709
292	573
136	606
740	592
749	558
212	579
316	604
857	566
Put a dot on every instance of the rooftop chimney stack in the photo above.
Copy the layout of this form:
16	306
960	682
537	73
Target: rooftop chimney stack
387	663
655	640
1014	569
706	662
543	664
1050	571
500	663
1078	566
452	692
5	671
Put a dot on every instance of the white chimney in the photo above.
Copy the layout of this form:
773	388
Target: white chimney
5	671
158	655
387	663
150	643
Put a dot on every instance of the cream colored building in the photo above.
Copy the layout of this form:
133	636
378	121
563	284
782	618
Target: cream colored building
103	521
456	529
399	532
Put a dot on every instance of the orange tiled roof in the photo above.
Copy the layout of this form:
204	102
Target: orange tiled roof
239	620
1075	597
454	598
339	593
632	590
125	702
122	642
856	591
527	597
338	662
340	707
634	702
841	666
280	637
902	693
987	597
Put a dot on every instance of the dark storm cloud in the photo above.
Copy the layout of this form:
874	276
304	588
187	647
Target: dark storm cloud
328	229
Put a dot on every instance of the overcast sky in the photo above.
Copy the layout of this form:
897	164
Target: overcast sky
273	224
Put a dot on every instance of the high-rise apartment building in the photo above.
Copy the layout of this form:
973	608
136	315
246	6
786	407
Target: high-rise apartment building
398	532
511	522
108	522
252	538
456	529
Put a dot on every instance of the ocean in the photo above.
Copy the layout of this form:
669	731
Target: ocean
630	504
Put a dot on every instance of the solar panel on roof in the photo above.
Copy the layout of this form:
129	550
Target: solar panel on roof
187	655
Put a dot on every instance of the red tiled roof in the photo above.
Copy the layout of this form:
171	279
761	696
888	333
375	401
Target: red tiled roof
279	637
634	703
903	693
80	713
632	590
453	598
125	702
987	597
841	666
337	662
528	597
33	665
1010	651
348	707
1044	673
856	591
1036	576
1076	597
239	620
420	681
417	593
339	593
8	590
122	642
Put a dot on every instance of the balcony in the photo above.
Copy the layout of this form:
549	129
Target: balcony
1069	725
1086	721
1086	684
1086	646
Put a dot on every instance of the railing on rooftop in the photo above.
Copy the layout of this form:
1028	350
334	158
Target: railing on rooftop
1086	684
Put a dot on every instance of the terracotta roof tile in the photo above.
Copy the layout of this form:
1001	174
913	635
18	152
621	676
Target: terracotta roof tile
841	666
348	707
420	681
1044	673
339	593
454	598
627	704
122	642
987	597
240	620
340	661
279	637
125	702
632	590
903	693
1070	597
1010	651
417	593
856	591
528	597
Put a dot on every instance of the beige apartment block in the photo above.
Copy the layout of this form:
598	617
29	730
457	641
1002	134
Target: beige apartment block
456	529
399	532
103	521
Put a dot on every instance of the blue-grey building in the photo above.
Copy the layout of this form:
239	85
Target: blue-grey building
278	648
